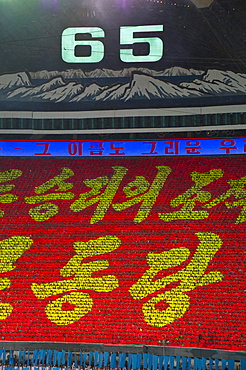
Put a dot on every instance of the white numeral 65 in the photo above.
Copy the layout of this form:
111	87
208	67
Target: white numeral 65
127	37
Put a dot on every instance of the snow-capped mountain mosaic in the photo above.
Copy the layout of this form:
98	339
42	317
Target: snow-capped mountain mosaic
70	89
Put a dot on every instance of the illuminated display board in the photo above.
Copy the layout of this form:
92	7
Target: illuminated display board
123	251
127	148
79	55
69	44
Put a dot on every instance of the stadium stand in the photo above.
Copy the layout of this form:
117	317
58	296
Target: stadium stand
122	185
122	360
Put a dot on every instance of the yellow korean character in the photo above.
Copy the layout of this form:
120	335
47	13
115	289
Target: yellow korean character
8	176
238	191
187	198
188	278
10	250
82	280
103	192
45	211
141	191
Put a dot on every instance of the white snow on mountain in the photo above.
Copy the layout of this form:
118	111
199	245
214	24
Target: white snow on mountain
101	93
126	72
104	73
89	93
34	90
143	86
10	81
73	73
215	88
44	74
62	93
114	92
219	83
229	78
178	71
196	72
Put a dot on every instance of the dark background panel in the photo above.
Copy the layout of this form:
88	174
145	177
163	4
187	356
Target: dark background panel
202	38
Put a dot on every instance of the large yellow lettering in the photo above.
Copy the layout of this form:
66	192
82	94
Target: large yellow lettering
190	277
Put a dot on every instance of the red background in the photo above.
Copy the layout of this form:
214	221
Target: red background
216	316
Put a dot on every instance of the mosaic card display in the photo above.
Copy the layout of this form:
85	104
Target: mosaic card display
124	251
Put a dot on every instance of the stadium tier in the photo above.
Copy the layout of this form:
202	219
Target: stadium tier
123	251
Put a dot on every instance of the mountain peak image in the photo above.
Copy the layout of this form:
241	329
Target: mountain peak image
10	81
142	89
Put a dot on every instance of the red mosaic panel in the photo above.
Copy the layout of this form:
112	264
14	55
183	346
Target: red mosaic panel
123	251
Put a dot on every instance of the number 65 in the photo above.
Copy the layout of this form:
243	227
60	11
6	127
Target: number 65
127	37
